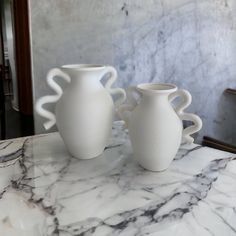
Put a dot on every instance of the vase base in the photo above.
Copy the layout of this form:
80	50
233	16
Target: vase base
87	156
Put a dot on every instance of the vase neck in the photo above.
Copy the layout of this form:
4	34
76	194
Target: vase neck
156	93
155	98
85	77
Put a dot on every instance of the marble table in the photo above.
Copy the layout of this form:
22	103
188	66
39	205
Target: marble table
44	191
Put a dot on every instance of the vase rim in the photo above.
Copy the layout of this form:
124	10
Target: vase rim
157	88
84	67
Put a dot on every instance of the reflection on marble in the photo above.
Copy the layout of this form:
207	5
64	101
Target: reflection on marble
187	42
44	191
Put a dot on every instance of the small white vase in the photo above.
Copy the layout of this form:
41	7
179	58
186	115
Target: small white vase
84	112
155	128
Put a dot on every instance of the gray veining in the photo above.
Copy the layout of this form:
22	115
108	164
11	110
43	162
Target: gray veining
187	42
46	192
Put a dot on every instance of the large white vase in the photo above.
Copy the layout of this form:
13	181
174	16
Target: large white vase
84	111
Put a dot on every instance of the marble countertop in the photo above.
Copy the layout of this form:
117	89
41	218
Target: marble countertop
44	191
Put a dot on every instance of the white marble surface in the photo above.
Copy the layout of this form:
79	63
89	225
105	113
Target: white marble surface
44	191
190	43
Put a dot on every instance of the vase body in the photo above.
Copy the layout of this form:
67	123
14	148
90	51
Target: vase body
155	130
84	111
84	114
155	127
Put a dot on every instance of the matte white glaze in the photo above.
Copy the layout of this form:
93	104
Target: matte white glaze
155	128
84	111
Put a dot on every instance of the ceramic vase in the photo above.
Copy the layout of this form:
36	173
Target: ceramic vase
155	127
84	111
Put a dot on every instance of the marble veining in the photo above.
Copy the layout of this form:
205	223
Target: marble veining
44	191
190	43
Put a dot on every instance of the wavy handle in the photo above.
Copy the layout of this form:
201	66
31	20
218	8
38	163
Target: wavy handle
114	91
185	102
51	98
125	110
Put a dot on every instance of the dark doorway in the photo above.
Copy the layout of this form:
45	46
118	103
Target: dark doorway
16	83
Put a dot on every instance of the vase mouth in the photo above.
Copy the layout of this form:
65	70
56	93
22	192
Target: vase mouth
157	88
83	67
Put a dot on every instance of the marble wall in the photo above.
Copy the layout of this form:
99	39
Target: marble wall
191	43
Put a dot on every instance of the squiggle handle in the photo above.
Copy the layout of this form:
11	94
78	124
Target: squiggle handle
51	98
113	91
186	101
125	110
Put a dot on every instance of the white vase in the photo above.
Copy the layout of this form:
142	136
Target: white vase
84	112
155	128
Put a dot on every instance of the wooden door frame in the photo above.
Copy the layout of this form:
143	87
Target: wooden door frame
20	14
2	74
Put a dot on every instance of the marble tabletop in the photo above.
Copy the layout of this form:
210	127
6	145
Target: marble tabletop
44	191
